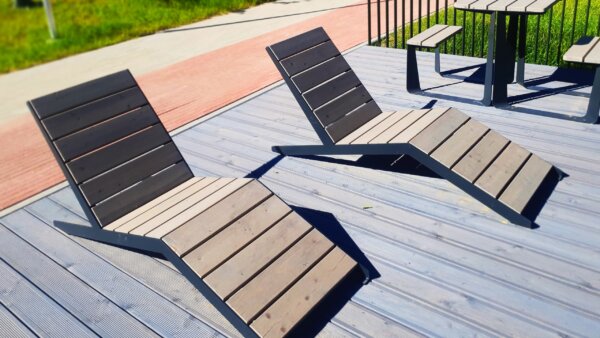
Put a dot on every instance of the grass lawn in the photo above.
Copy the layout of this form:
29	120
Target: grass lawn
88	24
545	48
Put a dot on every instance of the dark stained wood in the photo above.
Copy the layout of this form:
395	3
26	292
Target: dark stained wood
331	90
456	146
99	161
235	237
301	42
352	121
140	194
88	139
121	177
287	311
321	73
480	156
60	101
205	225
503	169
270	283
523	187
309	58
341	106
439	130
84	116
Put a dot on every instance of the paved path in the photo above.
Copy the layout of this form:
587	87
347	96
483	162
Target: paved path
180	92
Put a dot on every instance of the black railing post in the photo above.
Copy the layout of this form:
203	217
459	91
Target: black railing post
560	36
369	21
537	39
396	23
387	23
379	22
587	17
403	23
549	35
574	21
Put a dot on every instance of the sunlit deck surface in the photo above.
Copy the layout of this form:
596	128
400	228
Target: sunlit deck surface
447	265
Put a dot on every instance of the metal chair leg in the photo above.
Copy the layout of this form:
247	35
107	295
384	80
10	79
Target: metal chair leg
522	40
412	70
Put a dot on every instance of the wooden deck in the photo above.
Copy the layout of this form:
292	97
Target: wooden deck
444	264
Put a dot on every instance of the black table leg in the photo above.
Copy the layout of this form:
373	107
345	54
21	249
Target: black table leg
522	45
511	38
500	67
489	66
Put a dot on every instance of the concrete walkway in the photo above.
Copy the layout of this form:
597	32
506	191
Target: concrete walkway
155	51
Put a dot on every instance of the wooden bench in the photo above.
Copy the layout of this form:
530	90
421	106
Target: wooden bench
587	51
253	257
504	176
430	38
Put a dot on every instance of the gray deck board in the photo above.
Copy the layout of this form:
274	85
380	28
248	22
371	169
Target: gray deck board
449	266
11	326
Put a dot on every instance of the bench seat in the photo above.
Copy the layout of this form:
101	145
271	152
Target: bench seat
587	51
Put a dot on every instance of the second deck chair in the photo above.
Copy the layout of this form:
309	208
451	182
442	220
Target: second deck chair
255	259
501	174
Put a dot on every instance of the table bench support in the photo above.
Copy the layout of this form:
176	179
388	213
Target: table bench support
437	60
594	104
412	71
522	40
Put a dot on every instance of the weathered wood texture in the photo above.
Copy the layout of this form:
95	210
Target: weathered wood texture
585	50
518	6
108	138
448	266
434	35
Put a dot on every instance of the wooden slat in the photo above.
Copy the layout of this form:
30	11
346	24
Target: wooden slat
398	126
352	121
106	158
81	117
481	5
382	127
200	191
148	212
331	90
48	105
522	188
439	130
440	37
140	194
580	49
479	158
540	6
593	56
464	4
200	228
101	134
321	73
235	237
503	169
309	58
232	275
121	177
458	144
299	43
341	106
407	134
520	6
418	39
288	311
266	287
365	128
198	208
148	206
501	5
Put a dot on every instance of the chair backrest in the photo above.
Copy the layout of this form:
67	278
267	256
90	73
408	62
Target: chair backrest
331	95
110	144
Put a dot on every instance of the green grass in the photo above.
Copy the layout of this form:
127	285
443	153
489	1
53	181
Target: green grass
88	24
473	40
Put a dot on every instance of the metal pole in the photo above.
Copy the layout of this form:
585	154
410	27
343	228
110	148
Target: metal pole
50	18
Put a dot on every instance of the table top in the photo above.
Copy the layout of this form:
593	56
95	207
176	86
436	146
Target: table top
507	6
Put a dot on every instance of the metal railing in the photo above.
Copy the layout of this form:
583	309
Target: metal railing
548	35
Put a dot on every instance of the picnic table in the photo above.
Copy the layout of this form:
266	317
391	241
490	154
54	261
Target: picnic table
500	67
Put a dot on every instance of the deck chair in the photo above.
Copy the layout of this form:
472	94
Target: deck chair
499	173
260	263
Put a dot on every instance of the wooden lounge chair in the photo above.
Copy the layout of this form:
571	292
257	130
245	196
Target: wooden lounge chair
501	174
261	264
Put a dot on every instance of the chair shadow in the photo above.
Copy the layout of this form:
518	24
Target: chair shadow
329	226
402	164
541	196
